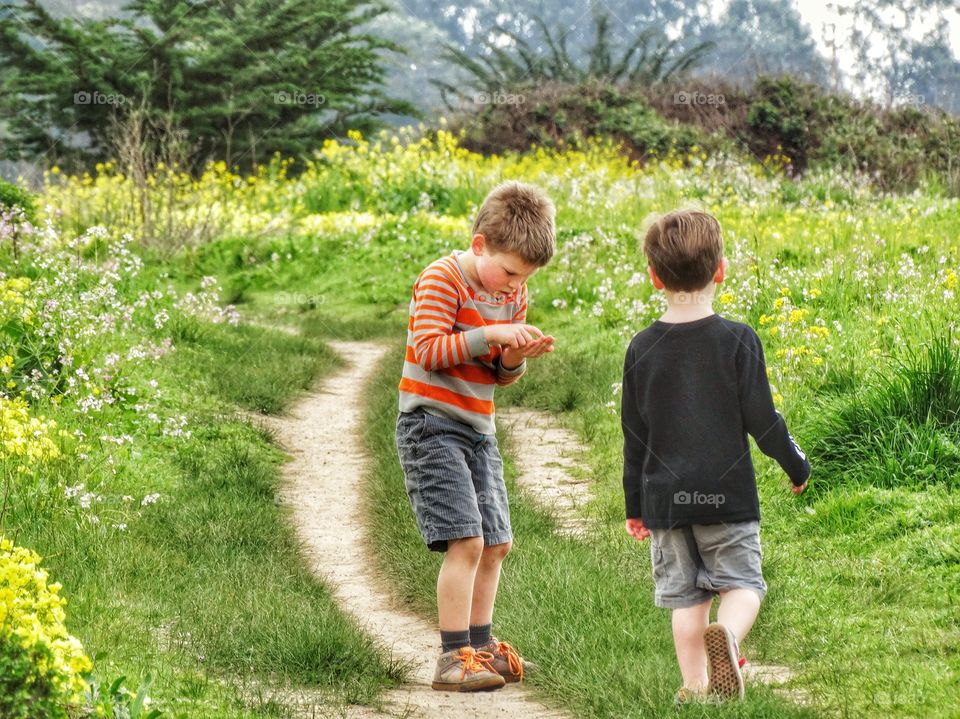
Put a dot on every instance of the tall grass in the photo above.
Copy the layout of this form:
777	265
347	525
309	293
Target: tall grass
901	427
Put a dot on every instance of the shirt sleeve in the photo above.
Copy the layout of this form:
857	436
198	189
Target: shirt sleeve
760	417
436	345
634	432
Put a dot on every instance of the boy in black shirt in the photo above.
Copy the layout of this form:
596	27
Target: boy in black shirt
694	386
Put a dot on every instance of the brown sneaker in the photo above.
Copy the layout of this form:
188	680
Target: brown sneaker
723	659
507	662
465	670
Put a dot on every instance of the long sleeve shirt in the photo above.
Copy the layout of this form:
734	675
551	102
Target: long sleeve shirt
692	392
449	369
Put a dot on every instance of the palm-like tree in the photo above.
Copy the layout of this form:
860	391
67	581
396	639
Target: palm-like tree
650	59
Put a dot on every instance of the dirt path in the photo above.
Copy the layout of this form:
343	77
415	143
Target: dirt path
322	433
545	452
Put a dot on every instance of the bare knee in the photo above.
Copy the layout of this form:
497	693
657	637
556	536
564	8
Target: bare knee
468	549
496	552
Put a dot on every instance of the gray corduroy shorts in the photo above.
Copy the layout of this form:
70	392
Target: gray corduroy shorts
454	479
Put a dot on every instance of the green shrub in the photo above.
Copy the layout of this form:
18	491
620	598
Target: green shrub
13	196
797	124
555	114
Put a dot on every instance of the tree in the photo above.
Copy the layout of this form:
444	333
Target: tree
470	26
932	75
242	79
649	59
763	37
884	35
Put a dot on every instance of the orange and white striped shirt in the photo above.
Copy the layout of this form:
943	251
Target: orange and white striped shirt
449	368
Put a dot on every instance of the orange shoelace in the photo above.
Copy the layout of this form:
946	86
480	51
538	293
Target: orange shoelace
513	658
474	661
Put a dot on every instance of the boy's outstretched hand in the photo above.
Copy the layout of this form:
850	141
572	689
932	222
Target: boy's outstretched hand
797	490
513	357
636	529
512	335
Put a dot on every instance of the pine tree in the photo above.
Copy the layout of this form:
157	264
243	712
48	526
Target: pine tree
241	79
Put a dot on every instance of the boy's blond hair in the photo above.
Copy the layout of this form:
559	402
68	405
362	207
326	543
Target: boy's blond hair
518	218
684	247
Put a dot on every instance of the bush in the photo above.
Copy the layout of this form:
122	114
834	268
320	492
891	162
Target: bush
12	196
796	124
556	114
42	667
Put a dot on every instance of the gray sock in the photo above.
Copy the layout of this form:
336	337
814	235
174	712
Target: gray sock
454	640
479	634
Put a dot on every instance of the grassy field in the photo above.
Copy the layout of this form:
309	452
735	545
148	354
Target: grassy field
854	295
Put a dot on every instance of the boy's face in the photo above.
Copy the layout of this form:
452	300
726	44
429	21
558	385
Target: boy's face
500	272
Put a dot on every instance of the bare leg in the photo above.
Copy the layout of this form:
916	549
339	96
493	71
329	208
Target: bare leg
455	583
688	627
486	583
738	611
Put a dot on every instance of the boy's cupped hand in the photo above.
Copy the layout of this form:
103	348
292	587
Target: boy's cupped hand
519	342
514	336
636	529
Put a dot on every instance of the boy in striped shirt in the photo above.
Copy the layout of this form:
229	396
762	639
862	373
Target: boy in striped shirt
467	333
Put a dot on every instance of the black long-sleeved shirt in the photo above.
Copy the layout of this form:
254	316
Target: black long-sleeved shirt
691	393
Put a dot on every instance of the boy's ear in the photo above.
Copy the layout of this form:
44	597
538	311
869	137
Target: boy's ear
653	276
721	271
478	244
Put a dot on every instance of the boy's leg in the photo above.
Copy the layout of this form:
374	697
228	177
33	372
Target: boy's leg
486	582
676	566
732	567
688	627
455	583
738	611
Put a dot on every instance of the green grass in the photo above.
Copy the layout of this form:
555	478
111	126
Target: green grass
205	589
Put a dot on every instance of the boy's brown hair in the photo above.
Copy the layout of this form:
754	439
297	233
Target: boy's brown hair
518	218
684	248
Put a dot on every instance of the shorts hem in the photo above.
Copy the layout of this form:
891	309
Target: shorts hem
682	602
729	587
437	540
498	538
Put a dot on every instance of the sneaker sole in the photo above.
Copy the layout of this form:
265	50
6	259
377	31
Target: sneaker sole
725	679
484	684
